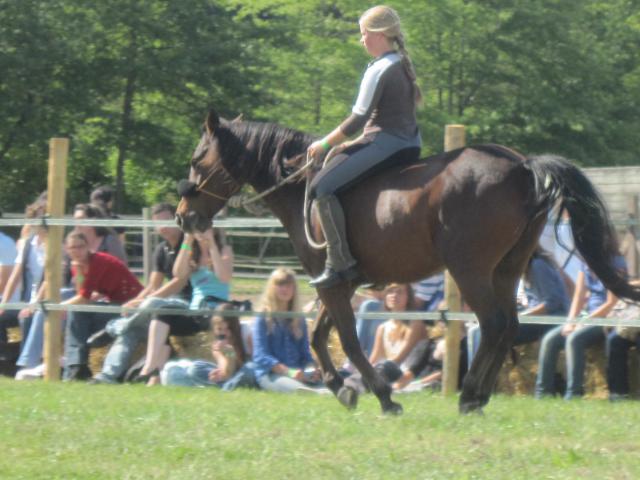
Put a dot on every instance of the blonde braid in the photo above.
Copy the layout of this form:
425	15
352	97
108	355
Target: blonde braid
408	66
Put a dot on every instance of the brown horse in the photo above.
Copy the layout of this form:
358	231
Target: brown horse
477	211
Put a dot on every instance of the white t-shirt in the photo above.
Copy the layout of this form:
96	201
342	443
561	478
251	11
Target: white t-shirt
34	264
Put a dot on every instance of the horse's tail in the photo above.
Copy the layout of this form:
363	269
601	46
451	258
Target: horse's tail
555	178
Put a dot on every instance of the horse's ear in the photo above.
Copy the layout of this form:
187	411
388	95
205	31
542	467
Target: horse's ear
212	121
237	119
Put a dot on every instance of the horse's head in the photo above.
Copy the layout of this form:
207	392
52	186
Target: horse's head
209	185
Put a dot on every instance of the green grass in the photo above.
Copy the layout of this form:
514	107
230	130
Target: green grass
79	431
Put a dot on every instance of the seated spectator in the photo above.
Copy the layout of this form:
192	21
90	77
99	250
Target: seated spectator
103	197
100	239
25	282
619	341
281	352
131	330
545	294
429	293
95	275
366	327
206	262
575	337
396	340
427	366
228	352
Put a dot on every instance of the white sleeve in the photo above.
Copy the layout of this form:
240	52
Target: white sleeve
367	90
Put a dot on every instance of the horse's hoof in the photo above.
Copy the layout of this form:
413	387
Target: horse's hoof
348	397
472	407
393	409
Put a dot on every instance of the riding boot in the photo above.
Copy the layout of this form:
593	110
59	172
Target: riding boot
340	265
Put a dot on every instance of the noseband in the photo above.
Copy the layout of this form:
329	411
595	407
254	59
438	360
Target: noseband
187	188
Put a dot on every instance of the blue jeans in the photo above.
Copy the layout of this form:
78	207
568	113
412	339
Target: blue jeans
32	346
576	344
527	333
129	332
617	366
366	327
195	373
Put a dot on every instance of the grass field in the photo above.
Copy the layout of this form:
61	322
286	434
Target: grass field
66	431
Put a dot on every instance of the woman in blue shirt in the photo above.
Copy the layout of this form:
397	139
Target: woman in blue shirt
281	352
591	295
207	264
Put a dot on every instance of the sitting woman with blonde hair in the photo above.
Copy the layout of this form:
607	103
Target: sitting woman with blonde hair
281	350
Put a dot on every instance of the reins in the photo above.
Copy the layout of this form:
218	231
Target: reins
306	207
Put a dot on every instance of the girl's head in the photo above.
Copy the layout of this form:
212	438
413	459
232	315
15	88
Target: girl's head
281	292
399	297
381	31
77	246
227	327
281	295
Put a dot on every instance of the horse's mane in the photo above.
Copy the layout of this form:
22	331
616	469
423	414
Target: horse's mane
259	151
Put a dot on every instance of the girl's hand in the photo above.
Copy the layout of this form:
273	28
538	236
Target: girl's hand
216	375
316	149
205	238
568	328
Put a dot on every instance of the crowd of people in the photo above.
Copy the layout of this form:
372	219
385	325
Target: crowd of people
271	352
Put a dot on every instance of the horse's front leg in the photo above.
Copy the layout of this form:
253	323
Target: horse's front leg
337	303
319	336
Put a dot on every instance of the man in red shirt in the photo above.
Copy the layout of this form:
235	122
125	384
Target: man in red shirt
97	276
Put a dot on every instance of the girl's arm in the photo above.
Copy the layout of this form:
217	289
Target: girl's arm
604	309
378	350
416	333
182	266
221	259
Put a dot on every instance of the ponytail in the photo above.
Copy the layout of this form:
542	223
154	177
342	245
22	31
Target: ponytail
408	67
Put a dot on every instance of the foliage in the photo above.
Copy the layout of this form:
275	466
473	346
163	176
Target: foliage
131	431
130	81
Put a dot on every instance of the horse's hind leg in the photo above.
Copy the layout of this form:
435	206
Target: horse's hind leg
337	303
496	311
319	336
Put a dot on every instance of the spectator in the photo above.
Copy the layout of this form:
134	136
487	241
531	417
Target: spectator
228	352
429	293
103	197
100	239
575	337
24	283
366	327
129	331
396	340
209	271
545	294
93	273
281	352
427	365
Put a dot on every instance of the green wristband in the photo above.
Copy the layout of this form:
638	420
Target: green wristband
325	144
184	246
292	372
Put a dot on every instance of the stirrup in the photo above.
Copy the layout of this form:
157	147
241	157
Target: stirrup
330	278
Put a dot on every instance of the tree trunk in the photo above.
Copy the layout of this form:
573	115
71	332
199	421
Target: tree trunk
126	123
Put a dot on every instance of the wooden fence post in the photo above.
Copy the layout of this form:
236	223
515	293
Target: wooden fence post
58	152
454	137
